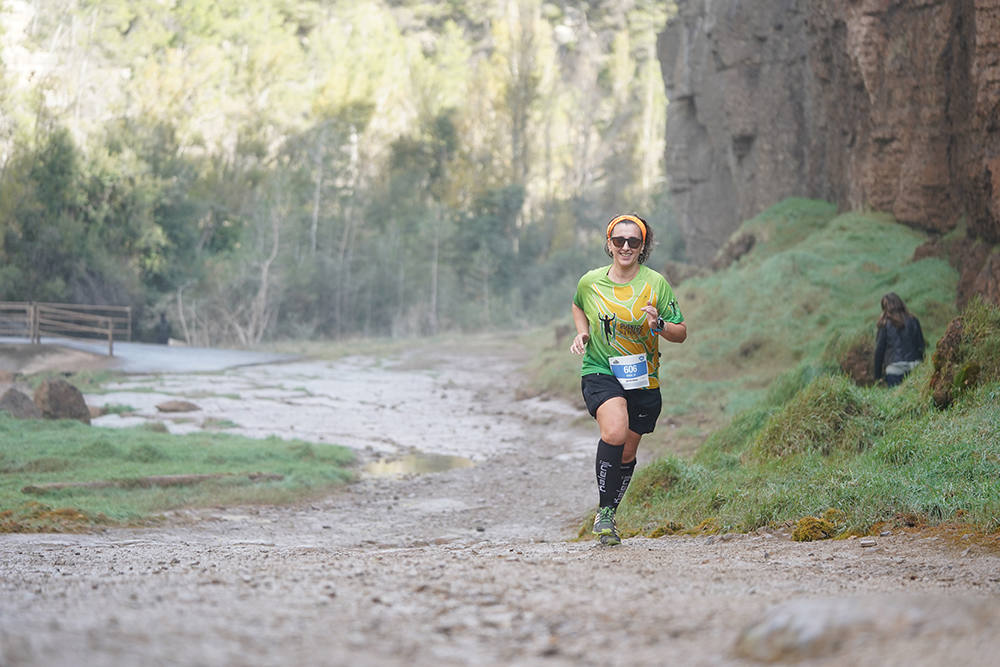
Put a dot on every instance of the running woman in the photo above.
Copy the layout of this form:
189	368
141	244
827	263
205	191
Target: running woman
621	312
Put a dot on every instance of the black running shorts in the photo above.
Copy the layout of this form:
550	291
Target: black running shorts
643	404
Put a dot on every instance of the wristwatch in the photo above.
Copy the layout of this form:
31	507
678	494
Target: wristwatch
659	326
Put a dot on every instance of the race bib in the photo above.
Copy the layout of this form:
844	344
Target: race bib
631	370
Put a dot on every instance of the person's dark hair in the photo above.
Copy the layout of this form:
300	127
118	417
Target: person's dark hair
893	310
647	244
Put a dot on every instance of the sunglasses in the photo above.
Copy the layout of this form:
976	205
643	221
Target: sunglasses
633	241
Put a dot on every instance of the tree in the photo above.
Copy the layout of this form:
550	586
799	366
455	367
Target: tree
297	167
485	246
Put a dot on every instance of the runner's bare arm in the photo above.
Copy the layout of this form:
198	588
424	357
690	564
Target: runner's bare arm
675	333
582	324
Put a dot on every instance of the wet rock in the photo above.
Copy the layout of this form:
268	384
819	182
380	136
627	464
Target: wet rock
19	405
58	399
177	406
820	628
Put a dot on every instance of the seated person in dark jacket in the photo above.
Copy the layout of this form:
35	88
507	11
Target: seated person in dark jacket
899	345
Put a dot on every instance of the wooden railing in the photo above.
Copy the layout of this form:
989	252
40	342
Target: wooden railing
34	320
16	319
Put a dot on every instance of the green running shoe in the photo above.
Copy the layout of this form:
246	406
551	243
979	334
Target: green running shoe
604	526
611	540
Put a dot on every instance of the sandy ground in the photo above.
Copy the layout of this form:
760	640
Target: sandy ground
470	565
25	358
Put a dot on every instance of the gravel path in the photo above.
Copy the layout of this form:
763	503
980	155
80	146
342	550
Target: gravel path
475	565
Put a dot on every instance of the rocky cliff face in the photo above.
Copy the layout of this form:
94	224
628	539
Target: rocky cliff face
885	104
738	123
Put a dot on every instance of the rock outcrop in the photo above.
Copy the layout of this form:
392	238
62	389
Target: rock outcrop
965	357
19	405
58	399
879	104
735	76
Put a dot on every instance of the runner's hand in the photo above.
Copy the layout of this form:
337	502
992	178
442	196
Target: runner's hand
652	315
579	345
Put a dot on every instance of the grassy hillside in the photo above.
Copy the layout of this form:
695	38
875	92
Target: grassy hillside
811	284
761	427
852	458
812	280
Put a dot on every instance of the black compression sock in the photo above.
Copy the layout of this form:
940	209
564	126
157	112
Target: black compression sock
609	473
626	471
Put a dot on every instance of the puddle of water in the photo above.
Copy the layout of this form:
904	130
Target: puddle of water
416	463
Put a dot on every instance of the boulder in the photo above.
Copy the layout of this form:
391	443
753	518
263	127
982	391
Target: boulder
19	405
58	399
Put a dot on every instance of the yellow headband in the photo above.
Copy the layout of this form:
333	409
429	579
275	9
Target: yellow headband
627	218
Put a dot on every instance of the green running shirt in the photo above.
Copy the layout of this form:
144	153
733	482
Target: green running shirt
617	323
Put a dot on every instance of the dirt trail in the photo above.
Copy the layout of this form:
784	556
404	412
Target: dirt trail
473	565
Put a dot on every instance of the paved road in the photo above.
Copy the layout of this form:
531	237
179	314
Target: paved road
150	358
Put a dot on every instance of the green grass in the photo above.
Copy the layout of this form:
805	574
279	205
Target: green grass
979	351
34	453
117	409
874	455
812	278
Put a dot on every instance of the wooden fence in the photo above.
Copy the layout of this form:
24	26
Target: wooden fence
33	320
